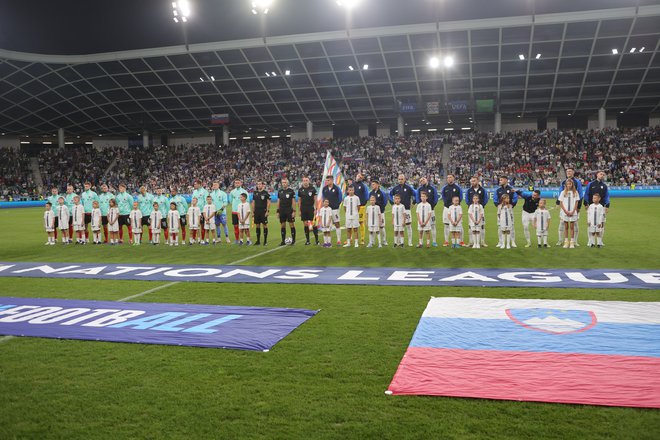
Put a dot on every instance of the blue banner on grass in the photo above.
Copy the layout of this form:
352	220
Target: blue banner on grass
384	276
243	328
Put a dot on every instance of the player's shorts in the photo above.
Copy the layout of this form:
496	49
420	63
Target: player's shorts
455	228
407	217
476	228
260	217
567	218
210	225
426	227
79	226
234	218
328	229
244	226
527	218
307	214
352	222
96	229
594	229
505	228
221	219
374	228
145	220
361	214
542	232
286	216
194	227
113	227
88	218
174	230
335	216
104	220
399	228
50	229
155	230
124	220
137	230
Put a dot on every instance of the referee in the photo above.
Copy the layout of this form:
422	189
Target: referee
307	208
260	210
285	209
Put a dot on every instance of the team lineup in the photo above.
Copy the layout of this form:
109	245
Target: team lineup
205	220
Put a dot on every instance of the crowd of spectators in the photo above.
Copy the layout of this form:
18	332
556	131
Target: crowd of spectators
16	181
630	157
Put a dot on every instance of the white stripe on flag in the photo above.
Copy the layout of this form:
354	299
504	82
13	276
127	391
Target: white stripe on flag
489	308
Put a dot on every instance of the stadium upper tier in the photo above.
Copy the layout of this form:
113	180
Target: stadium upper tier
526	157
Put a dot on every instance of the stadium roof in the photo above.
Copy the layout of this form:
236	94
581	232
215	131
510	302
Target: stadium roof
175	88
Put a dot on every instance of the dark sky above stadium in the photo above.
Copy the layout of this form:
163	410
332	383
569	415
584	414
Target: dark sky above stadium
92	26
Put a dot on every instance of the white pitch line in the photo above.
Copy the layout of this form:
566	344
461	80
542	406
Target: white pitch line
164	286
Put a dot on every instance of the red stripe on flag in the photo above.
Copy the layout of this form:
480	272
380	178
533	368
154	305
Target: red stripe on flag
543	377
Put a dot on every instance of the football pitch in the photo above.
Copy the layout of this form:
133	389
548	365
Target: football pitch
325	380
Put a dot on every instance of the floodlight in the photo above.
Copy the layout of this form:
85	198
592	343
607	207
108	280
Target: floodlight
641	49
350	68
261	6
449	61
273	73
267	74
615	51
212	78
521	57
538	56
184	8
348	4
287	72
365	67
434	62
633	50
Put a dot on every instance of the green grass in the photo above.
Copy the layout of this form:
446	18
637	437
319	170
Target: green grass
325	380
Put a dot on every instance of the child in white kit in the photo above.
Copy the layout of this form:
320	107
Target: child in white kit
476	220
113	222
78	216
194	220
325	223
49	224
424	212
208	216
244	215
155	222
96	222
398	220
505	217
541	221
136	223
455	216
351	209
595	220
173	224
373	221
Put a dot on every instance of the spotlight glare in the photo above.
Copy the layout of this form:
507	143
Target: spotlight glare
449	61
176	20
348	4
173	4
521	57
261	6
434	62
184	19
615	51
365	67
184	8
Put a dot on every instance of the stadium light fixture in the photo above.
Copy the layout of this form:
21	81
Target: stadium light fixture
632	50
267	74
25	142
287	72
201	79
434	62
212	78
232	139
261	137
449	61
466	128
273	73
449	129
47	143
89	143
641	49
261	6
350	68
275	136
415	130
348	4
521	57
247	137
181	10
432	129
365	67
68	143
621	112
615	51
570	114
538	56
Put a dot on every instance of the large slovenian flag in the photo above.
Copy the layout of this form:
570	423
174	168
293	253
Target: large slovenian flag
330	168
587	352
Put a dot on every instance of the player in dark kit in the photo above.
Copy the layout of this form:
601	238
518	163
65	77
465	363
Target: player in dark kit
260	211
285	209
307	207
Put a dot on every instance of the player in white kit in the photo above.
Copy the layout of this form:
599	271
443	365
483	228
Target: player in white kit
541	222
505	217
244	216
398	221
568	203
49	224
208	219
63	220
135	220
173	224
595	222
113	222
455	217
476	220
352	219
325	223
424	213
155	223
374	222
194	220
97	222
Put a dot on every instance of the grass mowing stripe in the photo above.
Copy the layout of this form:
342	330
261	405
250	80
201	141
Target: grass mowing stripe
6	338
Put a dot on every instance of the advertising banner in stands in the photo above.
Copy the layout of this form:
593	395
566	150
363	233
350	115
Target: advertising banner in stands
458	106
220	118
432	108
